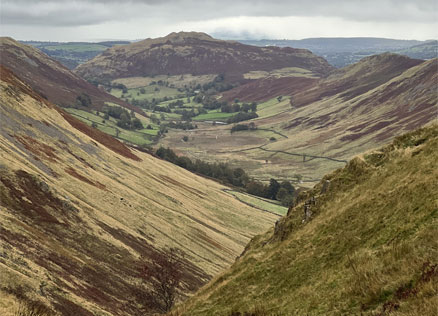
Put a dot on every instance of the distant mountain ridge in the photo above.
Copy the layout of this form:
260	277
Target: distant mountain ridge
197	54
340	52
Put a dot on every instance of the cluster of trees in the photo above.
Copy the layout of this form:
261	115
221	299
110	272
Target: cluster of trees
284	191
241	116
124	119
218	84
160	83
83	100
235	107
243	127
182	125
208	102
220	171
186	115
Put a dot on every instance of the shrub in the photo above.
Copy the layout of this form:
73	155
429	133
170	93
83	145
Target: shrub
241	116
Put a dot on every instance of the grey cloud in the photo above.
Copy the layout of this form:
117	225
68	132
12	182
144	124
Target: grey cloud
88	12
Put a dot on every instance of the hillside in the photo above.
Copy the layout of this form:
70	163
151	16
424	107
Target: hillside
319	123
196	54
426	50
361	242
49	78
81	213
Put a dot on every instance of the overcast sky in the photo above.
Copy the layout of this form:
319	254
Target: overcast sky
91	20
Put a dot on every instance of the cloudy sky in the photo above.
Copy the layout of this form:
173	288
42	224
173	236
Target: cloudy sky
91	20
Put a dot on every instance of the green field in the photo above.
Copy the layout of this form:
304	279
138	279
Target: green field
273	107
151	92
138	137
261	203
213	115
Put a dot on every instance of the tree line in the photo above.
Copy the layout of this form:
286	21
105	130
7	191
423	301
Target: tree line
282	191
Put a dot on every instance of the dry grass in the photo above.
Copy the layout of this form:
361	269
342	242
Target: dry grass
369	247
81	223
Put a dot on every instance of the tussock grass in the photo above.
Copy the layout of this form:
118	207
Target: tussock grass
368	248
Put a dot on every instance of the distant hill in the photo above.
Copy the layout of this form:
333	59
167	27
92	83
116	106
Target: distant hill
71	54
340	52
82	214
51	79
361	242
196	54
308	126
426	50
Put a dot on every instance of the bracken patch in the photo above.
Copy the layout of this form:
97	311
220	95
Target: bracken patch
78	176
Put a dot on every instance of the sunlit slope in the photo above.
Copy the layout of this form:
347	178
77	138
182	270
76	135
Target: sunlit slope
80	212
366	245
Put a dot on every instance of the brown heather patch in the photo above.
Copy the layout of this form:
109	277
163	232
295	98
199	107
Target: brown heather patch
68	308
31	198
192	276
39	149
208	240
183	186
262	90
8	76
75	174
105	139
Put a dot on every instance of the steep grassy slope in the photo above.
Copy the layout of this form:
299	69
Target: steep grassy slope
366	245
80	213
49	78
197	54
353	110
